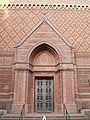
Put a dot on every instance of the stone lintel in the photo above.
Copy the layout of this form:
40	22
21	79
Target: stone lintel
67	67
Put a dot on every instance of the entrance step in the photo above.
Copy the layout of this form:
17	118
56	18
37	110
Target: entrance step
40	116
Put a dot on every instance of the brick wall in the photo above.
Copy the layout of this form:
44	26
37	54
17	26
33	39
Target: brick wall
15	24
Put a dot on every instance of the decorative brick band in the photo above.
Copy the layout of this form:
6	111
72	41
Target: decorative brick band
46	6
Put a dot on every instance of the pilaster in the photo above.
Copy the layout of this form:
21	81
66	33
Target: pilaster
69	88
20	89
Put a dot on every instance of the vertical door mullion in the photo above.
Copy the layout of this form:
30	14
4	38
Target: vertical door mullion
52	94
44	95
36	86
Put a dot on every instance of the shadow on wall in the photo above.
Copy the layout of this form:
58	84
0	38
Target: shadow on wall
5	106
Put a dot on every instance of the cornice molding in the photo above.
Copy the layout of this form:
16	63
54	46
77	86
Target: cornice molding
44	6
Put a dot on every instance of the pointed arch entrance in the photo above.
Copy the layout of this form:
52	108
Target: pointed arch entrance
44	54
44	60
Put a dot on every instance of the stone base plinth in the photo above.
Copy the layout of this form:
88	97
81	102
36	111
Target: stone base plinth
16	108
71	108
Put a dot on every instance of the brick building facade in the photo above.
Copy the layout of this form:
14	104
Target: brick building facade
44	57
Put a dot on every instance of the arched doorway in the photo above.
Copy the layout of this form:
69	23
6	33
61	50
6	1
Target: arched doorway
46	57
44	60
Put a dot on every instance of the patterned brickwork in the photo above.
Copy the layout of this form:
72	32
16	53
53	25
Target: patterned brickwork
83	85
74	25
5	81
18	21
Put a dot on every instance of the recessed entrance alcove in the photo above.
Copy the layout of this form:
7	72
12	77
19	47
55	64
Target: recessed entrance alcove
44	61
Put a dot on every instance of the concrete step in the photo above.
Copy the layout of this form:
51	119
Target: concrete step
40	116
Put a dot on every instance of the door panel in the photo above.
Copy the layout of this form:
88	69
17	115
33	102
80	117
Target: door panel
44	95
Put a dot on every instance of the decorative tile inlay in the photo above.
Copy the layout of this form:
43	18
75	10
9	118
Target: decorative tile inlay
74	24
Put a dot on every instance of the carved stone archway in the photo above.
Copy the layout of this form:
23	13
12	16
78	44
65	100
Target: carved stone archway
45	61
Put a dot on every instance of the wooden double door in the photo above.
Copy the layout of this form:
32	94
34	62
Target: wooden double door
44	94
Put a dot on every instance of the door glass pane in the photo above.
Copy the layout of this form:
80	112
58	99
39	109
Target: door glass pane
44	95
